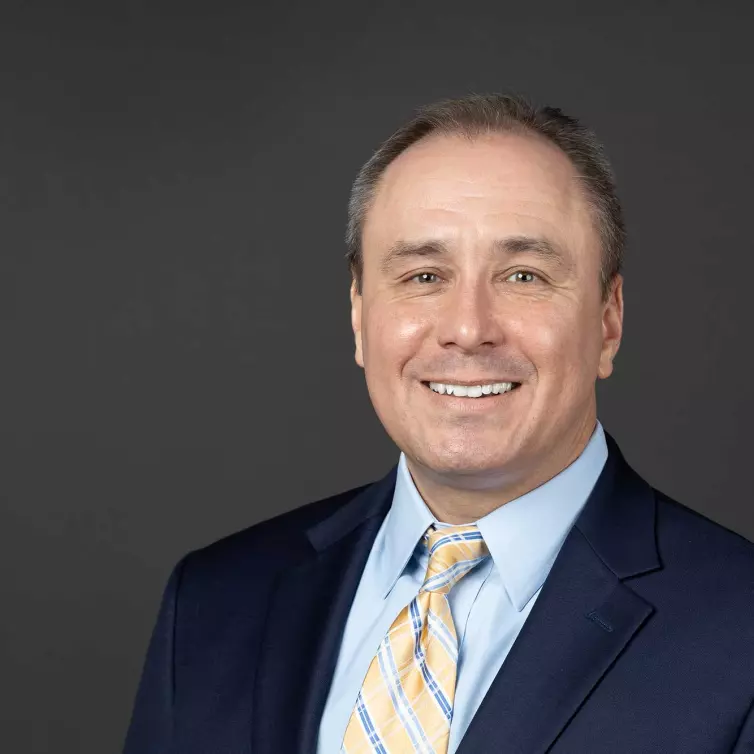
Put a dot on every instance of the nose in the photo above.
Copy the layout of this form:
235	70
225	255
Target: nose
468	319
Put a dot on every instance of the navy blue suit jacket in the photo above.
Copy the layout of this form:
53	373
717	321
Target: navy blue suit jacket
642	639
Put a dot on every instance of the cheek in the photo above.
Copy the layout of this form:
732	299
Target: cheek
559	343
391	338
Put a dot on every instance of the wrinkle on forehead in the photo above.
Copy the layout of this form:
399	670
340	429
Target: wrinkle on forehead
452	182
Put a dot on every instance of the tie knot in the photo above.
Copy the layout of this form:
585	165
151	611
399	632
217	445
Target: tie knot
453	552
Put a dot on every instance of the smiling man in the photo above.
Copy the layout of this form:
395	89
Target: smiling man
512	584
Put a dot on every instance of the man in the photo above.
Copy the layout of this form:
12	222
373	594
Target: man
512	585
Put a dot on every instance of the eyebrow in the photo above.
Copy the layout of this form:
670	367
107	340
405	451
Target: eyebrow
405	250
511	246
543	248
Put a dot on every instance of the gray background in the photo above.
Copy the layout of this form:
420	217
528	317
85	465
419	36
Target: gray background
175	339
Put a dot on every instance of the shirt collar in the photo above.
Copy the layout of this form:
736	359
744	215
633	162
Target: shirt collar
523	536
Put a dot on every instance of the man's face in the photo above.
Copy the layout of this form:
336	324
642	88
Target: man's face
481	266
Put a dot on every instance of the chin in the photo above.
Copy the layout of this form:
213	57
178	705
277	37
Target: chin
464	459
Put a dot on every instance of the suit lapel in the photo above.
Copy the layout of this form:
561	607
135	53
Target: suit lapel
306	618
582	620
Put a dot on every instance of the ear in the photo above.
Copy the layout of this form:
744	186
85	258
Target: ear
356	302
612	328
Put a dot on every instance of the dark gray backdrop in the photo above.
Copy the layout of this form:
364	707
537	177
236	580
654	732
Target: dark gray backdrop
176	352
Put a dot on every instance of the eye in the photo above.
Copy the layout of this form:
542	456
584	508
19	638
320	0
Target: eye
425	277
523	274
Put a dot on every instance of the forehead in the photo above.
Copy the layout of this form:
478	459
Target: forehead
451	185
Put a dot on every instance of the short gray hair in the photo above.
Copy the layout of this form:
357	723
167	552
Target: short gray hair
477	115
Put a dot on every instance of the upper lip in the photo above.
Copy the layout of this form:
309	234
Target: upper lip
468	383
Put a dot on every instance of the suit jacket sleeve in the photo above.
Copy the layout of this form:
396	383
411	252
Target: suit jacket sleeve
150	731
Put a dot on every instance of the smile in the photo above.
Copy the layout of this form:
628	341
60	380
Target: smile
472	391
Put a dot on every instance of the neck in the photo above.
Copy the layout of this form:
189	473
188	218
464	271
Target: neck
457	498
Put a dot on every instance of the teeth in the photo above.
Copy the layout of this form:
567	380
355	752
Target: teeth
471	391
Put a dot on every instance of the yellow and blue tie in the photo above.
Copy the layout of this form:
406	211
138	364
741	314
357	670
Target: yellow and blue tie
406	701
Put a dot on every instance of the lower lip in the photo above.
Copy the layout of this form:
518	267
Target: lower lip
485	403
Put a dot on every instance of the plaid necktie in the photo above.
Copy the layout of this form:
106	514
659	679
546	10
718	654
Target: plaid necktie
406	701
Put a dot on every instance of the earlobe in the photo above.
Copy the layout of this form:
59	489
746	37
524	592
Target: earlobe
356	302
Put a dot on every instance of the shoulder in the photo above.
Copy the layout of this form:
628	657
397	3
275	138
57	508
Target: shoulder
711	556
681	527
262	550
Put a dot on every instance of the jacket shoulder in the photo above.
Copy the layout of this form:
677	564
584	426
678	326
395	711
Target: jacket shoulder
704	548
265	547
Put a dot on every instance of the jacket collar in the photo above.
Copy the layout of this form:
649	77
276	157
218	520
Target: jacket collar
618	521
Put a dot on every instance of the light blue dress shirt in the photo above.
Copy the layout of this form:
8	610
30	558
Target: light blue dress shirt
489	605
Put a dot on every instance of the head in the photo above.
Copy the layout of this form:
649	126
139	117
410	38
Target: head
485	241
